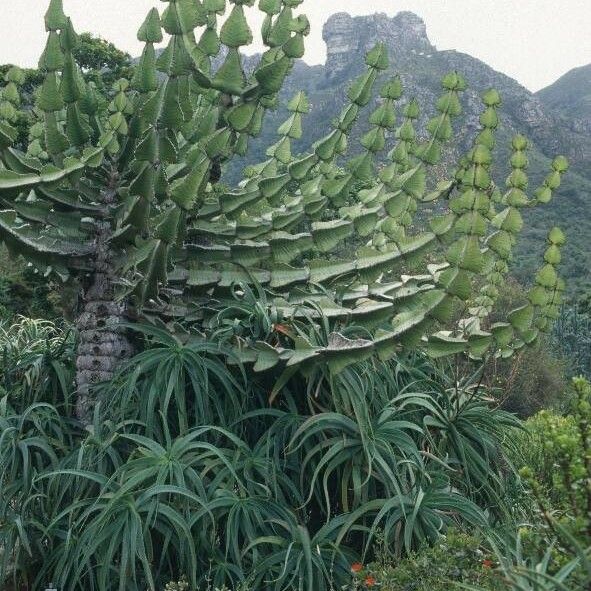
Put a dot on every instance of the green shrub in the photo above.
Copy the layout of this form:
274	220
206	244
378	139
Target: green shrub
36	362
24	291
556	455
456	558
551	449
533	379
278	495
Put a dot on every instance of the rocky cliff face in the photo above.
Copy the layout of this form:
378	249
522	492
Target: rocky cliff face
346	36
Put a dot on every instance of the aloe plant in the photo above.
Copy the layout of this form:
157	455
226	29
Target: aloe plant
122	192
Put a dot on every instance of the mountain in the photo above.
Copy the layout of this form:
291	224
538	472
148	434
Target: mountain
571	96
421	66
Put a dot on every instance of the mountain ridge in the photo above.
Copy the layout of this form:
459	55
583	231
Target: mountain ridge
571	96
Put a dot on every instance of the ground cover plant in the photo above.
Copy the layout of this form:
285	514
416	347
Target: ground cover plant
254	392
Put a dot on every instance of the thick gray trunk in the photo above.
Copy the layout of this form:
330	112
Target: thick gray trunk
103	342
102	346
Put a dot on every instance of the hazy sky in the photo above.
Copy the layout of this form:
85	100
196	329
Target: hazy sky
534	41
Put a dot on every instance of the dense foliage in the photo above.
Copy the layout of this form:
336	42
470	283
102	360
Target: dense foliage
251	393
120	192
292	494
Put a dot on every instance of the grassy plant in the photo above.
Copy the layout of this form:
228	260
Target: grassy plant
36	361
281	498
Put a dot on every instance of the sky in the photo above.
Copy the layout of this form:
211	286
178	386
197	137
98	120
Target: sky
533	41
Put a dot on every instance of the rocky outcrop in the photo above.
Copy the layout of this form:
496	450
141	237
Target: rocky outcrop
346	36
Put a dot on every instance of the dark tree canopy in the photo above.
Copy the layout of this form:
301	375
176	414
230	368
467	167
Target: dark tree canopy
101	61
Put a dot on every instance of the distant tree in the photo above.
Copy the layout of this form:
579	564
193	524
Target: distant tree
101	61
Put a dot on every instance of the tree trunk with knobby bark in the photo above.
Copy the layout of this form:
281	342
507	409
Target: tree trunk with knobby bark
103	342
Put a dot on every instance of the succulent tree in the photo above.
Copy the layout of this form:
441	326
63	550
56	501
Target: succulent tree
124	193
109	184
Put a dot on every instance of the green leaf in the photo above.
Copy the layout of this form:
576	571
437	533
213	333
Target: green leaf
450	103
240	117
546	276
286	247
325	149
271	77
509	220
338	187
52	58
479	343
214	6
322	271
143	183
384	116
413	182
489	118
283	275
502	333
453	81
521	318
70	86
55	18
292	127
249	253
55	141
465	253
50	98
456	282
273	186
145	77
69	37
209	43
552	255
327	235
219	144
270	6
299	169
151	31
266	357
295	47
378	57
343	352
374	140
557	237
230	77
281	151
235	31
366	221
443	344
560	164
501	243
361	90
185	192
280	31
77	130
191	14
